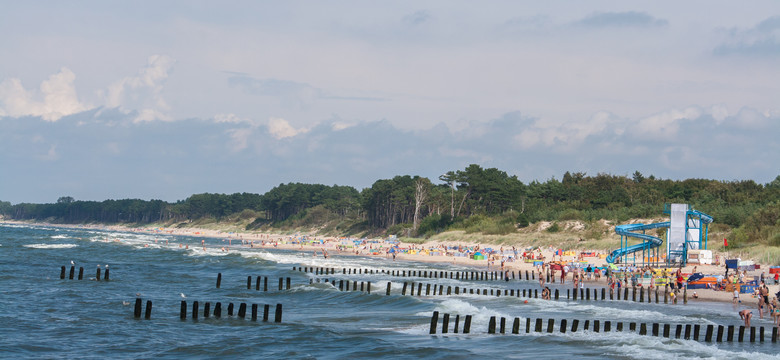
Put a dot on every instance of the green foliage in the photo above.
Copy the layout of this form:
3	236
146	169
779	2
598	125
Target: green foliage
522	220
433	224
554	228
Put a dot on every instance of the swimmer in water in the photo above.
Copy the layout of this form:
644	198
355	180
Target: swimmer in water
746	315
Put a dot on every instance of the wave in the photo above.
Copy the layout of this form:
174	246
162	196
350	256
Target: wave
60	237
51	246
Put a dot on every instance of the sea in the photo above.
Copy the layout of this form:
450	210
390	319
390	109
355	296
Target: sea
44	316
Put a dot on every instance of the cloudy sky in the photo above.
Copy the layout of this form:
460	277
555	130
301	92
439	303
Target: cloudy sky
161	100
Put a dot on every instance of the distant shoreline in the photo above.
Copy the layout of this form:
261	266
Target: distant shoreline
330	245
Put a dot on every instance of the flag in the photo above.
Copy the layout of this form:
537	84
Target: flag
725	242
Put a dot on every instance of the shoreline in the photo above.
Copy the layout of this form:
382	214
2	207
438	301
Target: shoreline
422	253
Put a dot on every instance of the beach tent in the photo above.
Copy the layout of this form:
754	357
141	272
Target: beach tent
479	256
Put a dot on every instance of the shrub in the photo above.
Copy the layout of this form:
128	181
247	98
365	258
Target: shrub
554	228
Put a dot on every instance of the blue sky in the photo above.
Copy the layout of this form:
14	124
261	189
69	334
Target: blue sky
162	100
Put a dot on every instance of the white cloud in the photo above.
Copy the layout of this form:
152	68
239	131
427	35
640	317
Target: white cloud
58	95
280	128
667	124
142	92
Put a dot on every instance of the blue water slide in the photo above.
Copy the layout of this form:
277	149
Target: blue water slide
704	217
629	230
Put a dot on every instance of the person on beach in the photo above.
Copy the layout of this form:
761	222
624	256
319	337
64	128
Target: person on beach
564	270
736	296
760	307
546	293
746	315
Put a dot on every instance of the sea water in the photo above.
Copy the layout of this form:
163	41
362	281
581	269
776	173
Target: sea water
42	316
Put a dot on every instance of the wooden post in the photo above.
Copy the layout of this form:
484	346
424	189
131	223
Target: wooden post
194	310
752	334
248	282
632	326
667	327
641	296
72	271
587	294
218	309
538	326
607	326
445	323
266	307
219	279
516	326
730	333
642	329
242	310
105	276
741	333
388	288
761	334
265	283
502	327
280	284
288	283
687	335
774	333
678	331
182	310
596	325
427	289
575	294
148	314
685	295
556	294
257	283
603	293
206	309
708	333
97	273
62	273
656	295
574	324
550	324
254	312
527	325
719	337
655	329
230	309
81	272
620	326
278	313
492	325
457	323
467	324
563	325
137	309
419	288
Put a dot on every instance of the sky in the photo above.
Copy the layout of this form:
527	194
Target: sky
161	100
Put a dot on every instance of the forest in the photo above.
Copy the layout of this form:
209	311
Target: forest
476	199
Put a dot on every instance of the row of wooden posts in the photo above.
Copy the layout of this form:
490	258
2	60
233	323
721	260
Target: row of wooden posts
230	309
584	293
687	331
81	273
434	274
282	282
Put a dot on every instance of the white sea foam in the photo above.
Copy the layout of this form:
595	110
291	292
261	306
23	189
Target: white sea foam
605	312
51	246
60	237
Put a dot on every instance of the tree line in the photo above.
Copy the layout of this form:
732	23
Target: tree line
417	205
